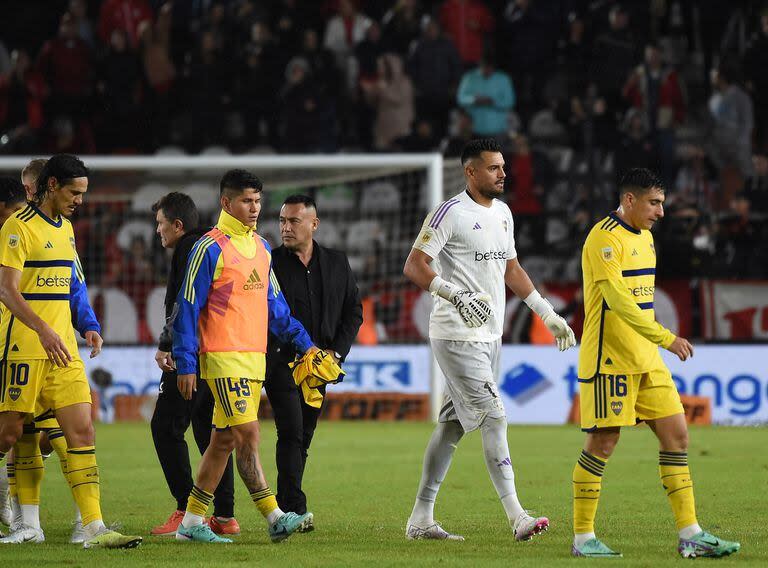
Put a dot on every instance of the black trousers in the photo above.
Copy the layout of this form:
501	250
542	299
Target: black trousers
295	422
170	421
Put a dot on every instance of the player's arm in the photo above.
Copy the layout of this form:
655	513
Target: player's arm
281	323
192	297
473	305
517	279
83	317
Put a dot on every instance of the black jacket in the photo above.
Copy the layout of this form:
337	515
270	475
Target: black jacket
175	279
342	310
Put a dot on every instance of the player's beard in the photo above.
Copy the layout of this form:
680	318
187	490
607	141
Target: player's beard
492	191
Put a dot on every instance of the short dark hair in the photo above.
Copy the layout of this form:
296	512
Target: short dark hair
179	206
11	191
63	167
305	200
639	181
474	148
237	181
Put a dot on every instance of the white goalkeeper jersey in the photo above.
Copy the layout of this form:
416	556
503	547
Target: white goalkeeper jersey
470	246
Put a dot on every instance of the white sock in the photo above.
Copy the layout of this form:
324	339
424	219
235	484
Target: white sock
273	516
78	516
30	515
580	538
15	507
191	520
689	531
93	528
499	464
437	460
3	480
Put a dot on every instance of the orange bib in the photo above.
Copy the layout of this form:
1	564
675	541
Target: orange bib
235	316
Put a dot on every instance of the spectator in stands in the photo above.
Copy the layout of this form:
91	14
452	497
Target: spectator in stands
288	23
695	184
574	55
636	147
81	21
435	68
344	31
307	117
730	146
159	74
755	65
421	138
66	63
656	89
402	26
321	64
392	97
126	15
461	131
69	136
363	76
615	54
488	96
469	24
120	90
22	91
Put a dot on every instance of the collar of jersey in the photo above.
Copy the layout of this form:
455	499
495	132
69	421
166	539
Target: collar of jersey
231	226
616	218
45	217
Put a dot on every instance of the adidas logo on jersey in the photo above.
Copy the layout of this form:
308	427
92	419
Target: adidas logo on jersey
49	245
608	361
15	347
634	252
254	282
476	227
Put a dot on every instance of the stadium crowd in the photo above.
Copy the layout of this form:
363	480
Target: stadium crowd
576	91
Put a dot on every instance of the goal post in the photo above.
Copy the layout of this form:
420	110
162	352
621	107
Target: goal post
364	200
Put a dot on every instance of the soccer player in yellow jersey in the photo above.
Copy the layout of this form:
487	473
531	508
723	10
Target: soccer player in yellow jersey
622	377
39	275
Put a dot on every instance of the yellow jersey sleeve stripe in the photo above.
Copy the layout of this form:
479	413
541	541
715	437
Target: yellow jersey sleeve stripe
79	269
194	267
274	282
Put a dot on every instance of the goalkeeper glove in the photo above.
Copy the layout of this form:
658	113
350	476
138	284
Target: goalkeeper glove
557	325
473	307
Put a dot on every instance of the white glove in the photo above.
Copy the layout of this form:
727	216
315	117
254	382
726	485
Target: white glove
555	324
473	307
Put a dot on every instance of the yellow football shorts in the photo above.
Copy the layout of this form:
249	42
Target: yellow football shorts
608	401
236	401
34	386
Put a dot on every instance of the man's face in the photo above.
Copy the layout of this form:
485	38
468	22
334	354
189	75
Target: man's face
30	186
170	231
67	198
7	211
245	207
298	224
646	209
487	173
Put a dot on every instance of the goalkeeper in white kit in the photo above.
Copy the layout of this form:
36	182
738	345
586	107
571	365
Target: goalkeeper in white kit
465	254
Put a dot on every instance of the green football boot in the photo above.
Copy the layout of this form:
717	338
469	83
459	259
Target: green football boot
594	548
288	524
706	545
200	533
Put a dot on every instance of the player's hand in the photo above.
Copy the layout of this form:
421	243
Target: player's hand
94	341
682	348
164	360
54	347
473	307
187	385
560	329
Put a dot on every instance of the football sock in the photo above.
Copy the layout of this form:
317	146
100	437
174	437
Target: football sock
437	460
30	515
59	444
93	528
677	482
11	469
496	450
197	506
587	478
83	477
266	503
29	468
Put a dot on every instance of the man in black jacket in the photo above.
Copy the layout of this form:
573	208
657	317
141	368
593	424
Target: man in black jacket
321	291
177	218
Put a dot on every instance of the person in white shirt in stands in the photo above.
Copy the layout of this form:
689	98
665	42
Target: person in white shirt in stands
464	255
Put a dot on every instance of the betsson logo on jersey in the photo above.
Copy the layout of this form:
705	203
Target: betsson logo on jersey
490	255
53	281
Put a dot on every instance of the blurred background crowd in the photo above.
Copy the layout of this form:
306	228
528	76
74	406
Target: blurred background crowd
576	91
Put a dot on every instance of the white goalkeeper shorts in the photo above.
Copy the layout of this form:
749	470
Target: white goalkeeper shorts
470	369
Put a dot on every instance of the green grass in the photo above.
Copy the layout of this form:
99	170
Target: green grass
362	479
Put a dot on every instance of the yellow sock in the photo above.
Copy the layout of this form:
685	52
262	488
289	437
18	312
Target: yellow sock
29	468
265	501
587	478
59	444
11	470
83	478
677	482
199	501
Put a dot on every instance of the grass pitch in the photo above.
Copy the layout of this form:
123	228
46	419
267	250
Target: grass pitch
361	482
